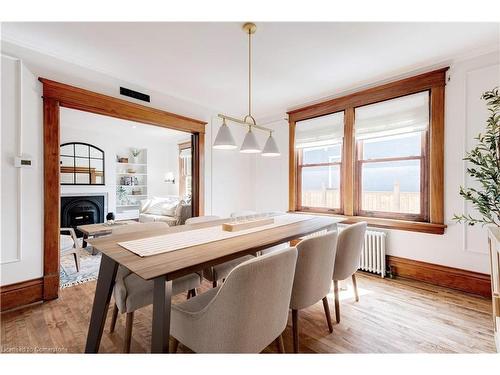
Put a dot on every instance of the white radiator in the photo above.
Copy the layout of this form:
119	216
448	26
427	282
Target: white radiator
373	255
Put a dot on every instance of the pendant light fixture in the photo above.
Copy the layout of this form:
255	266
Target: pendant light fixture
224	139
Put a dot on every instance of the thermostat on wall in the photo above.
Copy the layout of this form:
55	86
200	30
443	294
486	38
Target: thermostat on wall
24	161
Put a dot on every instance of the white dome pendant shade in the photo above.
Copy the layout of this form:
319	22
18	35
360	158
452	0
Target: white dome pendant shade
224	139
270	148
250	144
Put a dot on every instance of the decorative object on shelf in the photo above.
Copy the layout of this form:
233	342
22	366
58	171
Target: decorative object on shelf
224	139
136	191
485	169
130	170
110	218
169	178
121	194
122	160
135	154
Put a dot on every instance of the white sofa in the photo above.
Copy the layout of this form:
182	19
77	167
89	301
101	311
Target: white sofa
170	209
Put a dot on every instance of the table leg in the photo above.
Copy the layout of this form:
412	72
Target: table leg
84	242
103	291
162	299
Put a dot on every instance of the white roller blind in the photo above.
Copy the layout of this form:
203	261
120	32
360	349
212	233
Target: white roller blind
391	117
320	131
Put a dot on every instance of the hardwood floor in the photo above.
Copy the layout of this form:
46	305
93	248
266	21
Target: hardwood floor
392	316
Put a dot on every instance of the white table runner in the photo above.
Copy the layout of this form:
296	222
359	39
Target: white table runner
175	241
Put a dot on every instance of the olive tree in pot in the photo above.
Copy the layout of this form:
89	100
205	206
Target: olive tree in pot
484	167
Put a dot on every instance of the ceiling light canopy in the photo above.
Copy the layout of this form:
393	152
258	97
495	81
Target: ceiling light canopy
224	139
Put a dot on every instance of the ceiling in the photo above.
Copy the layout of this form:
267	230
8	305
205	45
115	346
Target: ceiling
111	126
294	63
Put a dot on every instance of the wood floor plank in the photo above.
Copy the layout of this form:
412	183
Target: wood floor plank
392	316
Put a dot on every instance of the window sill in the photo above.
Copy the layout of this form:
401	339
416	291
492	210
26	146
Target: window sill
411	226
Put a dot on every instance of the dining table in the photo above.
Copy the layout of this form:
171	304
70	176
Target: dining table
178	251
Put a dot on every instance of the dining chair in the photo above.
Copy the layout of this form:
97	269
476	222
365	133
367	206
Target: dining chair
245	314
220	271
70	245
349	246
312	282
131	292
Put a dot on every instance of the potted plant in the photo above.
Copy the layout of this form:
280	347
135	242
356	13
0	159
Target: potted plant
135	155
485	169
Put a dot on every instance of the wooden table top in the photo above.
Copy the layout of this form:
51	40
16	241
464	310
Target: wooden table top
177	263
101	228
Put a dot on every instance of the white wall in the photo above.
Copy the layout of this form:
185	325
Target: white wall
21	189
117	137
465	114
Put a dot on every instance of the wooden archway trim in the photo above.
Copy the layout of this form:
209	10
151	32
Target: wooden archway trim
56	95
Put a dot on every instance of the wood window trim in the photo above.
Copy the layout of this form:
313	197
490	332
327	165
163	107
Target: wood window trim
56	95
434	82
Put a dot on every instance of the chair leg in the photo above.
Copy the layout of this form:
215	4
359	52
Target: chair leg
114	317
280	345
355	287
77	261
327	313
193	292
175	345
214	283
295	328
128	332
337	304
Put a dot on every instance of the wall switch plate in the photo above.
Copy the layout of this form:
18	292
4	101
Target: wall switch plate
24	161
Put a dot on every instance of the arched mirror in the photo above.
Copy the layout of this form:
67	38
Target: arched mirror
81	164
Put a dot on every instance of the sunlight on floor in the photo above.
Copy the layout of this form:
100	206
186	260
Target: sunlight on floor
348	293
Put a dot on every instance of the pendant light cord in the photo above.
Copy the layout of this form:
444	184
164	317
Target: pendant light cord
249	73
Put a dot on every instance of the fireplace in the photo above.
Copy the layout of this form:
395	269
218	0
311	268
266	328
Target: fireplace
82	209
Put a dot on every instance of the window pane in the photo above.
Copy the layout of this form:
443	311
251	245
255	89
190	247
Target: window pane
82	150
393	146
321	186
324	154
391	186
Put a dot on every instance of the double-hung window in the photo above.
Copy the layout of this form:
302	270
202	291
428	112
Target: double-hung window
318	143
391	154
375	155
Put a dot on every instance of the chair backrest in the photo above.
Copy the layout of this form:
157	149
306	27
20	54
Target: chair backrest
313	273
243	213
349	247
201	219
250	309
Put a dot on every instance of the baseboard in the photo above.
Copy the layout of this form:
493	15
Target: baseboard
21	294
453	278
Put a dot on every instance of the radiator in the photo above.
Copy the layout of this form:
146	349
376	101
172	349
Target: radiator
373	254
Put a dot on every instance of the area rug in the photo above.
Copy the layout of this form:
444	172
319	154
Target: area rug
89	269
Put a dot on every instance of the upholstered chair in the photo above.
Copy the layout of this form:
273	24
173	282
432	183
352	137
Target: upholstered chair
312	282
349	246
245	314
131	292
70	245
220	271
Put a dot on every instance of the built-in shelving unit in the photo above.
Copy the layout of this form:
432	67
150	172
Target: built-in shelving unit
131	183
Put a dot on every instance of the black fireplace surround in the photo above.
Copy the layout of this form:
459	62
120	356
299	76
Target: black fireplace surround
80	210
